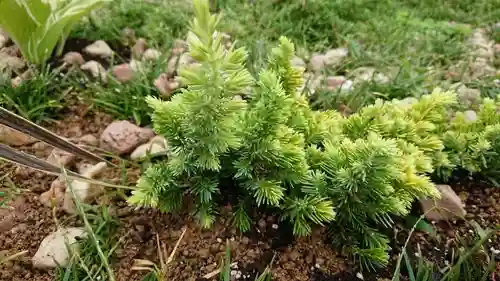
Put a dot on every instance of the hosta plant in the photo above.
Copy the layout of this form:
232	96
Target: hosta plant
37	26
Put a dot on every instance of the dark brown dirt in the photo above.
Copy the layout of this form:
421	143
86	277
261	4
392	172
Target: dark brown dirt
27	222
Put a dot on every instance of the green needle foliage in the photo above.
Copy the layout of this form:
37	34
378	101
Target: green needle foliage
473	144
213	133
311	165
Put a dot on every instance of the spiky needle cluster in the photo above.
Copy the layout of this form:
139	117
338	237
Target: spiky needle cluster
279	152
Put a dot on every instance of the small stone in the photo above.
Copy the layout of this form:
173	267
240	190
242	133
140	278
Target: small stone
147	149
185	60
151	55
16	82
95	69
11	63
13	137
245	240
468	96
335	82
139	48
298	62
335	57
73	59
99	49
61	158
274	226
262	224
180	46
53	251
470	116
317	62
204	253
123	72
359	276
165	86
4	39
84	191
89	140
123	137
136	65
54	196
448	207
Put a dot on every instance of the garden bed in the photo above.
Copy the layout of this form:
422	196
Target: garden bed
96	98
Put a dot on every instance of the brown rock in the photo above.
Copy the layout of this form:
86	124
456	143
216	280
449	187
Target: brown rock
12	51
54	196
180	46
73	59
139	48
61	158
449	207
334	82
11	63
15	138
123	137
123	72
165	86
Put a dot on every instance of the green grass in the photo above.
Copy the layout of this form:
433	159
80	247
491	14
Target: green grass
127	100
37	99
414	36
86	264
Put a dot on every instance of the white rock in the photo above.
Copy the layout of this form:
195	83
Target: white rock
185	60
298	62
136	65
73	58
317	62
53	250
95	69
99	49
347	86
335	57
470	115
151	55
84	191
61	158
155	146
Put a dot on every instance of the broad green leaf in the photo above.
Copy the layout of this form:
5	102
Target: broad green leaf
36	26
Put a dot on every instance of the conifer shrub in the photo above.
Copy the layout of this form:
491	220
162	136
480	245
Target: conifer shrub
473	143
214	135
316	167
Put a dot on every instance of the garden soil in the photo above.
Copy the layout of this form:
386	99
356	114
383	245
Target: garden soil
24	225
